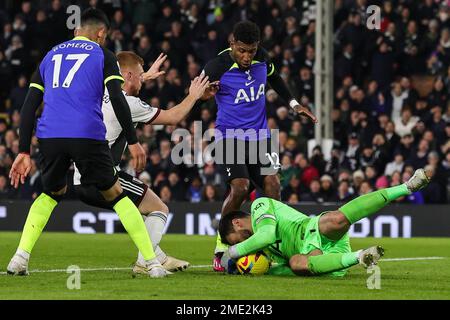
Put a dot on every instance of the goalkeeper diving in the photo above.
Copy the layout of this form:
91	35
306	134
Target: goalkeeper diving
308	246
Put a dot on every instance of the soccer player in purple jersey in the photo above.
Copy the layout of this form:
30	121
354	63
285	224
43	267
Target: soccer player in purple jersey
241	73
71	80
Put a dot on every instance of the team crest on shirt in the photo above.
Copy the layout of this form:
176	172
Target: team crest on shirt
249	76
144	104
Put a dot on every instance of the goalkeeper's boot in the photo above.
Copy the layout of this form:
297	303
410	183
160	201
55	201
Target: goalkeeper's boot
151	268
174	264
418	181
370	256
217	265
18	265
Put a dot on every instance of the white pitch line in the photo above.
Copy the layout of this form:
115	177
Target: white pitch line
207	266
413	259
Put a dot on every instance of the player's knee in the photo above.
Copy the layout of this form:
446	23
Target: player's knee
60	192
240	189
299	264
164	208
340	220
336	220
57	195
151	203
272	184
112	193
160	207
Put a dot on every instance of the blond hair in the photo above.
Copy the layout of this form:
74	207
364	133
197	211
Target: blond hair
129	59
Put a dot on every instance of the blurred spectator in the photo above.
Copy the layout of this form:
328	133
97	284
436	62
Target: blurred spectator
396	165
353	150
194	191
406	123
17	95
176	187
365	188
119	23
308	172
17	55
344	193
41	29
292	187
383	65
5	191
398	98
165	194
293	199
419	158
433	192
327	189
314	194
412	61
209	193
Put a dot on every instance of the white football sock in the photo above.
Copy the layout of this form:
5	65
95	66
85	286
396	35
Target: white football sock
23	254
155	223
160	255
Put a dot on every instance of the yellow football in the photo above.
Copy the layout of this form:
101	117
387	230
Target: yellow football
256	263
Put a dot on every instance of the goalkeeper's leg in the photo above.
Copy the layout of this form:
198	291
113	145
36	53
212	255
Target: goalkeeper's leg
335	224
317	263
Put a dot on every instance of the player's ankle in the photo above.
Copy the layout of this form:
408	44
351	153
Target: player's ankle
23	253
153	261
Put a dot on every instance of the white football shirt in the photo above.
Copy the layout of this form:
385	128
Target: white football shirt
141	112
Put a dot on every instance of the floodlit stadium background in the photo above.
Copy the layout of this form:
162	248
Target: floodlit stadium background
389	110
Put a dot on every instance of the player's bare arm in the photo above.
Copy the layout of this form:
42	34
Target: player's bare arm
180	111
166	117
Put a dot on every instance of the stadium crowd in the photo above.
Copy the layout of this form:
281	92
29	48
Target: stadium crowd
385	126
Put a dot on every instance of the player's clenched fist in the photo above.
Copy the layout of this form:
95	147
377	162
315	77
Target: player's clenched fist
138	156
198	86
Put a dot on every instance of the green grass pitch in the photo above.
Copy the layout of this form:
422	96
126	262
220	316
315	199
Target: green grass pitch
418	279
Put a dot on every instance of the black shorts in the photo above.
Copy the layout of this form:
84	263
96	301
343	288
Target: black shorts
133	188
92	158
252	160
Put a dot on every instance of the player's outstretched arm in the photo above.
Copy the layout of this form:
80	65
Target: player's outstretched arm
261	239
280	87
180	111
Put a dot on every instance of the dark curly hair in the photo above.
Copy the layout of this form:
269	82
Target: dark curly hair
226	223
94	16
247	32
